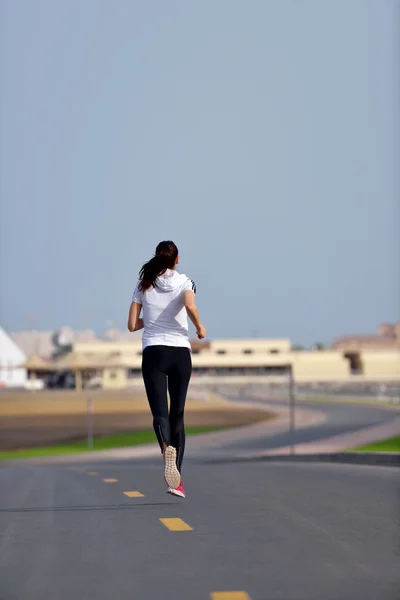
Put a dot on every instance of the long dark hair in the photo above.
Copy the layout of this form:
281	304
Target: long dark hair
164	258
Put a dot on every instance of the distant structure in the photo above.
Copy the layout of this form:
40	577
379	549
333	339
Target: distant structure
79	359
12	374
387	338
49	343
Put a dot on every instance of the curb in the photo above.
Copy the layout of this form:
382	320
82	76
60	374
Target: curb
357	458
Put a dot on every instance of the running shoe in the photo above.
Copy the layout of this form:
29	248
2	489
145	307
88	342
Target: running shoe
171	474
178	491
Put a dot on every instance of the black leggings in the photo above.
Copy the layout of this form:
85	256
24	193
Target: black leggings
167	367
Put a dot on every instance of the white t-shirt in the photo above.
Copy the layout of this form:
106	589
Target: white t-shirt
164	313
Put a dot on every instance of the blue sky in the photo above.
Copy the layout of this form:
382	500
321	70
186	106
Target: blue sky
261	136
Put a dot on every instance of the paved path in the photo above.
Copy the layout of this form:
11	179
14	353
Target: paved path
320	427
265	531
270	531
342	426
343	441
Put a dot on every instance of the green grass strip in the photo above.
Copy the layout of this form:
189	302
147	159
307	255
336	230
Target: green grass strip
389	445
119	440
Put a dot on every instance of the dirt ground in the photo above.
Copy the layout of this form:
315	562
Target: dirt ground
29	420
70	402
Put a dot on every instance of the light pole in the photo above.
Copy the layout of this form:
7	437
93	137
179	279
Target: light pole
292	399
90	423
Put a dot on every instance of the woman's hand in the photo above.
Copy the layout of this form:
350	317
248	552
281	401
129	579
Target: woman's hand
193	313
201	332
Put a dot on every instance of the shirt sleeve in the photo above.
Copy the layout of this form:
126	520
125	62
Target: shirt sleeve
137	295
190	285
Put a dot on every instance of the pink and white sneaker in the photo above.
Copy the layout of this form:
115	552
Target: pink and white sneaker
178	491
171	474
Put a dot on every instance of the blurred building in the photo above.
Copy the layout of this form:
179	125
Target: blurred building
48	343
12	373
117	364
387	338
69	358
372	354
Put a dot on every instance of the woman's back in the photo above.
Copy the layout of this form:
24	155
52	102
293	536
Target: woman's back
164	314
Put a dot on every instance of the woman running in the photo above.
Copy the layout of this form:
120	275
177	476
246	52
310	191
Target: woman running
167	297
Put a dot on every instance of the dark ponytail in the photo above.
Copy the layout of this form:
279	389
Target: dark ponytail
164	258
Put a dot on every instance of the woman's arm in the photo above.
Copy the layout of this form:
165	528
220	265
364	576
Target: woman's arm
193	313
134	321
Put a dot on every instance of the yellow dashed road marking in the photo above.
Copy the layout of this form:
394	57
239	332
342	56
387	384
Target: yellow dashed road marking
110	480
230	596
176	525
134	494
92	473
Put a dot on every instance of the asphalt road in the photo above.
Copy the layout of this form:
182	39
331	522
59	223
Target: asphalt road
272	531
339	418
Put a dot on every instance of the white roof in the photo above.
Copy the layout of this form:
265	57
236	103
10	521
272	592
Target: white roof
10	353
